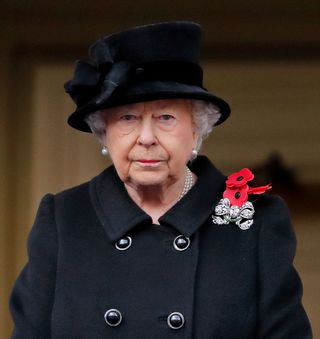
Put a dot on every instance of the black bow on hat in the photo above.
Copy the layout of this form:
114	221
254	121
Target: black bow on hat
145	63
103	76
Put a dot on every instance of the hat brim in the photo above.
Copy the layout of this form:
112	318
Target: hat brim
149	91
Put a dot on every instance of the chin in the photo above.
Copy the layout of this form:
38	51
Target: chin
149	179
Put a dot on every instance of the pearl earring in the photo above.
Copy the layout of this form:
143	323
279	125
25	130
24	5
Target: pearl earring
194	154
104	151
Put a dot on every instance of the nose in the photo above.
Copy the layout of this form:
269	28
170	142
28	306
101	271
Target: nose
147	136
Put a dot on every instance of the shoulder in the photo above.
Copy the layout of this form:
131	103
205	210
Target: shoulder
271	209
77	194
274	223
270	204
72	192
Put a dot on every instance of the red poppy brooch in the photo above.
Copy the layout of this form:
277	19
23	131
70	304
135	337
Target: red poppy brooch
235	207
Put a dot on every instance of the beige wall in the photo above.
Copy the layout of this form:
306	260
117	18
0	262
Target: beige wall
267	101
275	107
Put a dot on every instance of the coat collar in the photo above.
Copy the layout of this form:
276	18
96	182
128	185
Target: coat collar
119	214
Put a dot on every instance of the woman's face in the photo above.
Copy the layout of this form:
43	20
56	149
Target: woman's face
150	142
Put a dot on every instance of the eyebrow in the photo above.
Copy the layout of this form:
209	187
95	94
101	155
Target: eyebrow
164	106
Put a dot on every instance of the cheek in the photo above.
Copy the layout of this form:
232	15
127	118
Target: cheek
180	144
119	147
116	142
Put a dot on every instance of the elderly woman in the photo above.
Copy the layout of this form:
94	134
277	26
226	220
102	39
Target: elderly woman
160	244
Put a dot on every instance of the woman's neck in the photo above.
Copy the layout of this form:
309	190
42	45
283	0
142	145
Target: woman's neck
158	199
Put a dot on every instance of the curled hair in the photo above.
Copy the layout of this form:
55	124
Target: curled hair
205	116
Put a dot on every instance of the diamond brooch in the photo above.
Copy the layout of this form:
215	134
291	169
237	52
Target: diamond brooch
235	207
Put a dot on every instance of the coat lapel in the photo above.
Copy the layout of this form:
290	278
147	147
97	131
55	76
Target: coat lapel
199	203
119	214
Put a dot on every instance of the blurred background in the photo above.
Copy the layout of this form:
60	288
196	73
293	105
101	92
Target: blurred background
263	57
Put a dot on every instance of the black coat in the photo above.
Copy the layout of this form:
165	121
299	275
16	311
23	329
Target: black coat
228	284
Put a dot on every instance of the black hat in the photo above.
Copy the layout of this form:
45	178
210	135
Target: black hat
151	62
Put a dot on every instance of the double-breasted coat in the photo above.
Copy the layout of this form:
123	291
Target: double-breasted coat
99	268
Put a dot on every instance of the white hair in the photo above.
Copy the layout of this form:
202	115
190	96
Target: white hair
205	116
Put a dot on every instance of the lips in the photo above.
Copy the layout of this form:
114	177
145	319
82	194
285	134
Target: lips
149	163
144	161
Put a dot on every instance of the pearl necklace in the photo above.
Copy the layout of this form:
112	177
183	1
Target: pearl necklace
188	183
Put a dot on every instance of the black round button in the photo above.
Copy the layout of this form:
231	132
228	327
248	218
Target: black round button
175	320
113	317
123	243
181	243
139	70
